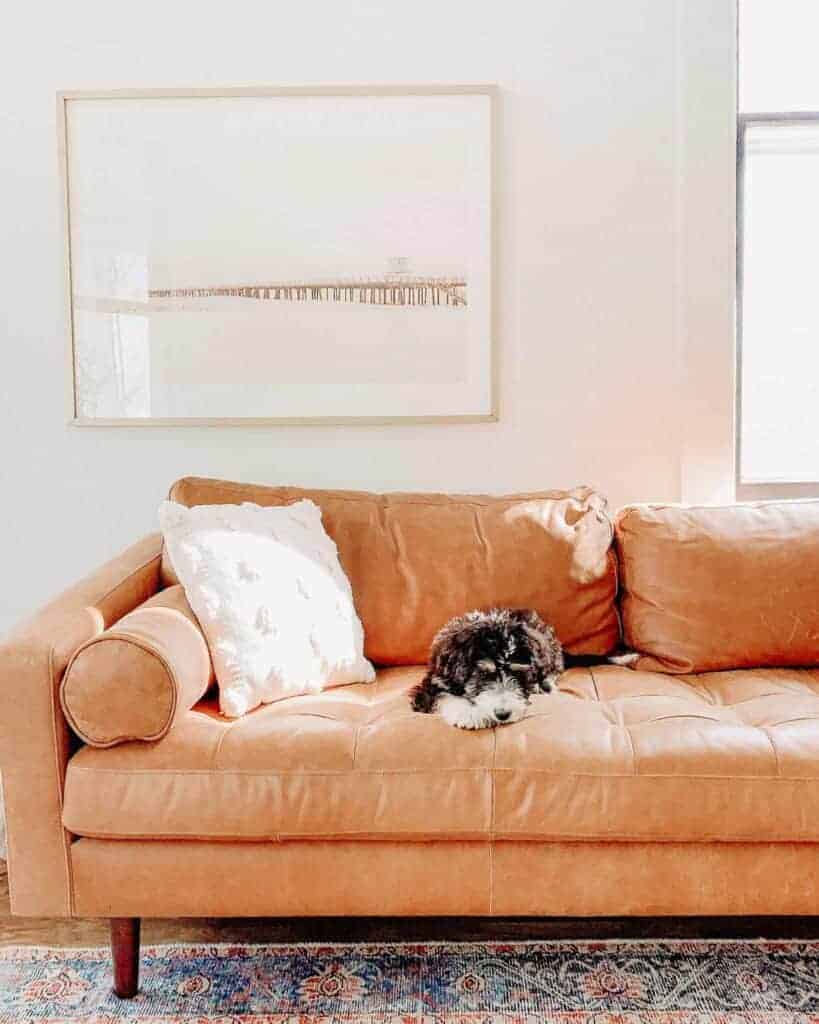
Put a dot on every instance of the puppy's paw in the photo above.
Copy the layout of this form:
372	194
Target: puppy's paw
424	697
473	723
461	713
549	683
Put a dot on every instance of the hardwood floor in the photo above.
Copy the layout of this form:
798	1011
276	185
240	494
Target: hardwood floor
50	932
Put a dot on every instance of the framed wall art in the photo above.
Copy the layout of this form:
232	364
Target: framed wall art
303	255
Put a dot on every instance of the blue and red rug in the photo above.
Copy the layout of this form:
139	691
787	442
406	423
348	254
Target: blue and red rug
574	983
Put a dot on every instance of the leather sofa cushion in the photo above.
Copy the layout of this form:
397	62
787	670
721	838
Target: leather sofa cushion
416	560
719	588
334	877
131	681
617	755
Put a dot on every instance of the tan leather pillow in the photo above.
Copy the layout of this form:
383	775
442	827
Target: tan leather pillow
718	588
130	682
416	560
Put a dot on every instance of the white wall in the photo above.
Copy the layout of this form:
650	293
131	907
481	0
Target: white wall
616	203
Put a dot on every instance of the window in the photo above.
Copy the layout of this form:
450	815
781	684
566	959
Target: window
778	246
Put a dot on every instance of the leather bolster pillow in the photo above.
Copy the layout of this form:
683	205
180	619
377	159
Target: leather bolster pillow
705	589
133	680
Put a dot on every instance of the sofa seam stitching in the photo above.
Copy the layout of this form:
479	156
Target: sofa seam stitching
217	750
384	498
463	835
642	506
492	821
60	781
130	576
11	858
635	766
764	728
355	742
140	645
594	684
342	772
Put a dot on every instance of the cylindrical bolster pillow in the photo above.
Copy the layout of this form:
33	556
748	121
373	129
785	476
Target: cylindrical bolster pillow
130	682
705	589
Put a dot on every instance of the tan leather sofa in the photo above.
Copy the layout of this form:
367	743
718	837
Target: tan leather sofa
688	785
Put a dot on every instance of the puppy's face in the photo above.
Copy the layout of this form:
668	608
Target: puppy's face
497	691
485	667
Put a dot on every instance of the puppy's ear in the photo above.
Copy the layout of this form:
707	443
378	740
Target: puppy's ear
453	654
424	697
529	619
547	651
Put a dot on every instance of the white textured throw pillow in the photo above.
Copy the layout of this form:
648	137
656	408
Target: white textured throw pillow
274	603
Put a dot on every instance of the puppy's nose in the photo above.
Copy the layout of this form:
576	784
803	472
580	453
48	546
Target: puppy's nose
502	714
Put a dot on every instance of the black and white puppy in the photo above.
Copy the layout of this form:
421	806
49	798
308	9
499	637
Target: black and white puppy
484	667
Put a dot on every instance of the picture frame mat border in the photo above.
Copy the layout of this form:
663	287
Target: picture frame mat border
65	96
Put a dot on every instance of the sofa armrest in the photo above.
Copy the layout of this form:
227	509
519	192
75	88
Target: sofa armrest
34	737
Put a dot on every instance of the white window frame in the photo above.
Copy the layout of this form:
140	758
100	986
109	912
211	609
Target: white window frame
779	489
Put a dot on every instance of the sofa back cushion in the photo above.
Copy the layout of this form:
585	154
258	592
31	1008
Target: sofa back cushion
416	560
720	588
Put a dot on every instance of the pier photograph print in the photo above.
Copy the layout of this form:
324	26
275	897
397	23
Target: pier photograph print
281	255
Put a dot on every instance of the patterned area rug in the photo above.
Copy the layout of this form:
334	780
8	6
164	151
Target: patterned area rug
582	983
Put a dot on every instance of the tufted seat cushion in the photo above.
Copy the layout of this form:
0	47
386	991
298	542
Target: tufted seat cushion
617	755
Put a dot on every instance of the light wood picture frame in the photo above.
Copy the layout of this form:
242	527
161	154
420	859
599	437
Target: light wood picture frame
302	255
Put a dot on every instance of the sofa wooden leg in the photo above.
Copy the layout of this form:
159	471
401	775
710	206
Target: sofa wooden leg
125	954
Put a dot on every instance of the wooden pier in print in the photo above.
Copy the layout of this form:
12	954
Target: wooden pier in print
403	291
